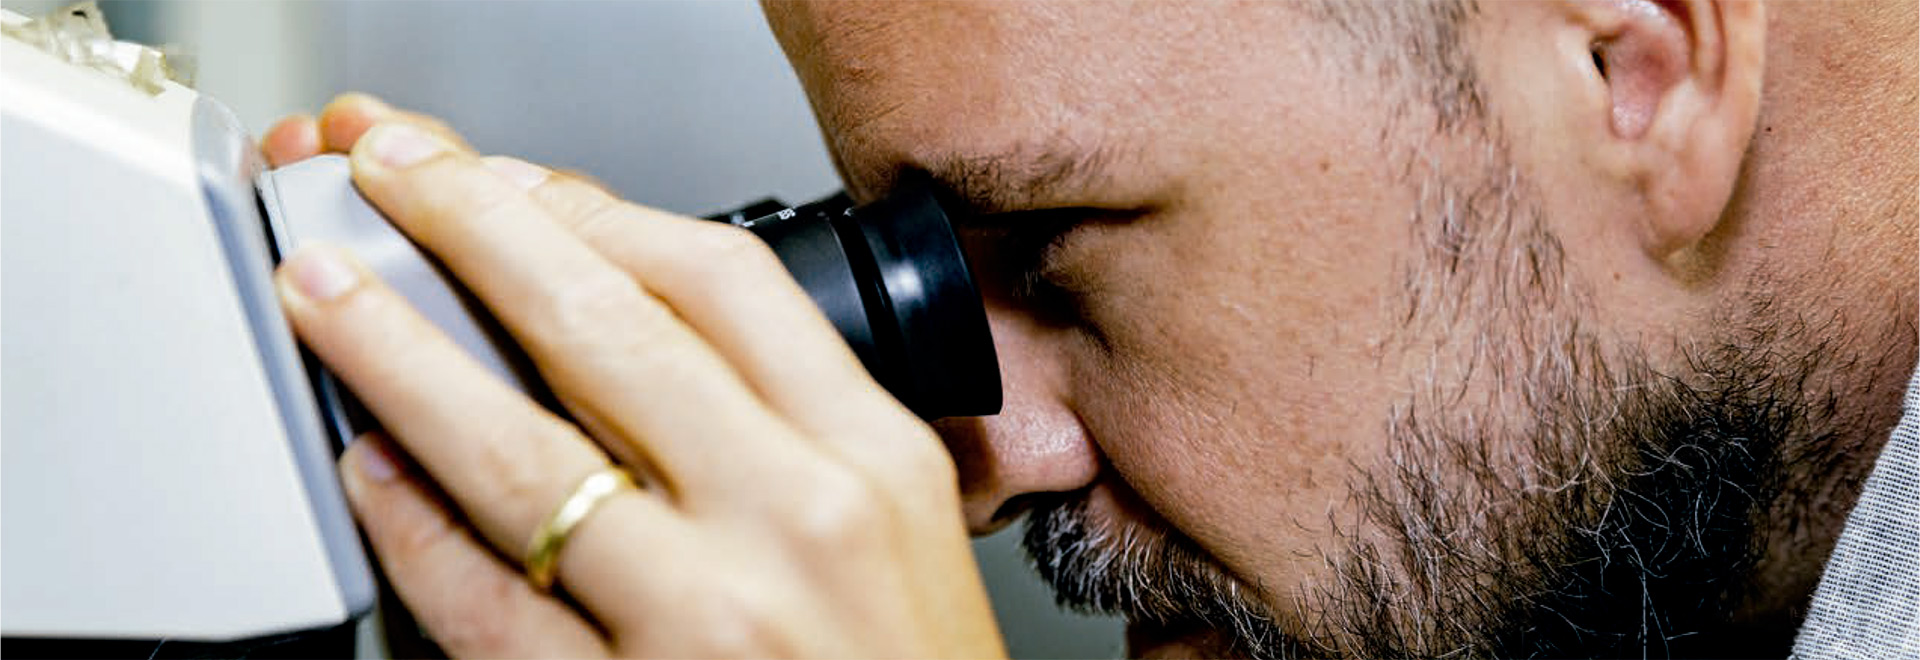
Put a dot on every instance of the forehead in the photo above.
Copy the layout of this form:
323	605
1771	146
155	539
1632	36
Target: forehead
912	83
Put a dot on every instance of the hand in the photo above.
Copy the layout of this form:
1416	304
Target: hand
788	505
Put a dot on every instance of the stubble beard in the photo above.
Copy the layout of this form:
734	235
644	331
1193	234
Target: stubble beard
1567	498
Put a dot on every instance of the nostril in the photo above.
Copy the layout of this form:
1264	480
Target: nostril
1020	505
1013	508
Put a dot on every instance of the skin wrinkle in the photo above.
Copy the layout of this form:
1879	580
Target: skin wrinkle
1632	546
1465	415
1518	453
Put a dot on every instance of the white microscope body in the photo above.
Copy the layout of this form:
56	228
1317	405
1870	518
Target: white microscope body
166	472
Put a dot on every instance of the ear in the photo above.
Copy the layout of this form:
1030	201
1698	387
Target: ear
1682	84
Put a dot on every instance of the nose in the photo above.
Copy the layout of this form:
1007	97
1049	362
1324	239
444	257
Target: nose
1035	446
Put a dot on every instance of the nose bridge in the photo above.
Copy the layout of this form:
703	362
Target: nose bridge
1035	445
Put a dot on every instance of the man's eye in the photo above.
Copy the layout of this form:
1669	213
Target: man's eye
1016	244
1035	241
1026	251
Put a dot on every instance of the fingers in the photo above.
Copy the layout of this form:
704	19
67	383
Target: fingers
293	139
736	293
623	363
467	599
731	288
504	460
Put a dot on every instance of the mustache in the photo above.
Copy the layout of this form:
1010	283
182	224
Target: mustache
1156	577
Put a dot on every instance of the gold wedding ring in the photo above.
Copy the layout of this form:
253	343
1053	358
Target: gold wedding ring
543	551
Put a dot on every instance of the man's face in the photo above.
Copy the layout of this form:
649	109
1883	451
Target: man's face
1299	357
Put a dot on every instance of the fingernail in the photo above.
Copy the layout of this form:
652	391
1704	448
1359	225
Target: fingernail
321	273
521	173
373	461
399	145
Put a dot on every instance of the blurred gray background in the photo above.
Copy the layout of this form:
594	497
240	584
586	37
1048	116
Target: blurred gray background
683	105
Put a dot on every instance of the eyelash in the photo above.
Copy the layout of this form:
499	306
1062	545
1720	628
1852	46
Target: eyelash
1030	244
1035	247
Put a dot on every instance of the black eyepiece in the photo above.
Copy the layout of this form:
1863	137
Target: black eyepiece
891	277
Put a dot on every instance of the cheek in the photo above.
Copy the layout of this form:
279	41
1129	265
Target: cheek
1236	388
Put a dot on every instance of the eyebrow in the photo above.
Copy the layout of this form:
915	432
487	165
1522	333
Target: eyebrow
1018	180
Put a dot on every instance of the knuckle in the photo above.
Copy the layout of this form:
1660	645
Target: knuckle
589	309
522	476
741	624
479	626
445	197
912	473
591	214
731	635
840	511
380	304
473	200
903	454
719	251
372	321
412	542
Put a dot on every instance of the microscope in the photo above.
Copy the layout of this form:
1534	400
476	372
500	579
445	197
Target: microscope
169	448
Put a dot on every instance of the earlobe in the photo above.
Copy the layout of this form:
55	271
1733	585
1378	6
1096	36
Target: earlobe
1683	90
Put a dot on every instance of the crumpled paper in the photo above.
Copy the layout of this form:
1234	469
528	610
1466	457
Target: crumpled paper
78	34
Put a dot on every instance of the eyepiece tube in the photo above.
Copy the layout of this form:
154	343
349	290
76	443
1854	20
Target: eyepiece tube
889	275
892	278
